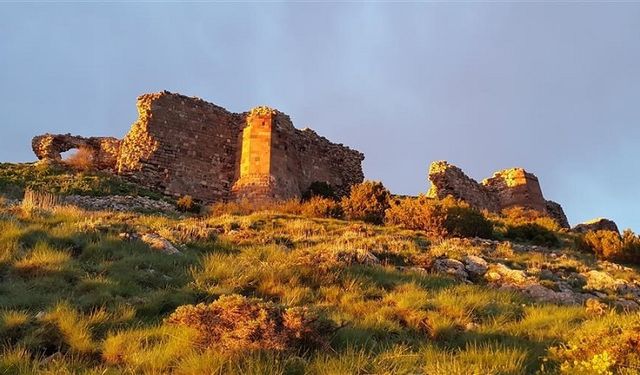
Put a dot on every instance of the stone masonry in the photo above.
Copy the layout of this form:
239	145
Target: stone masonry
104	150
182	145
507	188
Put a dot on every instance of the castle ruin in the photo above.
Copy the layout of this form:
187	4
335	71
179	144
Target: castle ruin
507	188
182	145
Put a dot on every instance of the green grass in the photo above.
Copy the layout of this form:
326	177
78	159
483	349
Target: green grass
15	178
75	297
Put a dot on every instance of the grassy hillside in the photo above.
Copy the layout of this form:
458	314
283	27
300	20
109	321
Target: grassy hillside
14	178
81	292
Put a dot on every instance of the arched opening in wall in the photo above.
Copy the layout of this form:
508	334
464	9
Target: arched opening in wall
80	159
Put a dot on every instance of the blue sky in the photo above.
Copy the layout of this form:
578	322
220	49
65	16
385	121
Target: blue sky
551	87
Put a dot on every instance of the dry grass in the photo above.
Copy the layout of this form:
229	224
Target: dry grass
36	200
81	160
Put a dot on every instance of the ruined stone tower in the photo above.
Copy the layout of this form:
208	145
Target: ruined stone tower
256	180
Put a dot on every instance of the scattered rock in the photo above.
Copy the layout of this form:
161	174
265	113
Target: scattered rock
505	274
543	294
159	243
475	265
120	203
600	281
626	305
452	267
358	256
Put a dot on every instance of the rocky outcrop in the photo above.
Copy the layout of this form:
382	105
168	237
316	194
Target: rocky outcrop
516	187
513	187
595	225
449	180
183	145
104	151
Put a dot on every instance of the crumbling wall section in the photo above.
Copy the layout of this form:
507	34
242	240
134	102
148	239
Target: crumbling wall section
301	157
516	187
104	150
507	188
182	146
449	180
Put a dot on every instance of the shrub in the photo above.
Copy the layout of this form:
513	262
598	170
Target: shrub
608	244
236	323
322	207
186	204
439	218
319	189
420	213
604	345
533	233
464	221
367	201
515	216
81	160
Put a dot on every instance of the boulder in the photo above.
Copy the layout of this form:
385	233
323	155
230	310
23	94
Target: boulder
601	281
503	274
452	267
156	242
596	225
475	265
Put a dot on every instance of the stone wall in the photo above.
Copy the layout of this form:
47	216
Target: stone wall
182	145
449	180
507	188
104	150
516	187
596	225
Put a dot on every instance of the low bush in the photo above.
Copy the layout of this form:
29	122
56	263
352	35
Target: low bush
464	221
610	245
516	216
322	208
185	203
439	218
532	233
605	345
235	323
319	189
367	201
420	213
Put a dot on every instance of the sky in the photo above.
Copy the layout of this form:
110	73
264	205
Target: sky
551	87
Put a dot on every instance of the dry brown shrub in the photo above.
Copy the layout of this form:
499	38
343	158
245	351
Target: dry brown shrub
439	218
608	244
604	243
418	214
185	203
367	201
235	323
516	216
81	160
322	208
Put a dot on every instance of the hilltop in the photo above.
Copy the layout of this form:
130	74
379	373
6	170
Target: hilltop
370	284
